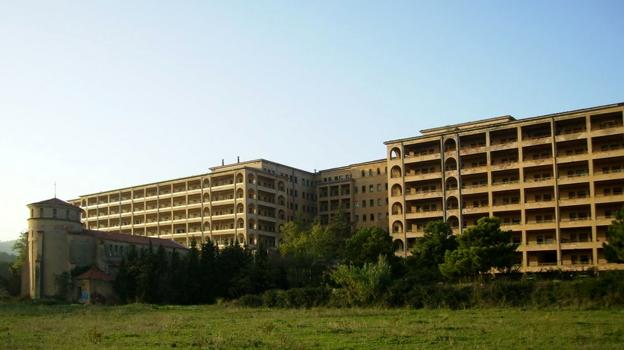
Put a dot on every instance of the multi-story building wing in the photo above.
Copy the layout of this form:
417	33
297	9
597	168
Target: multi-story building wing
244	202
555	181
359	190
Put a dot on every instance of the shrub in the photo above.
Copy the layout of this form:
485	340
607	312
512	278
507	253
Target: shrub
363	285
249	300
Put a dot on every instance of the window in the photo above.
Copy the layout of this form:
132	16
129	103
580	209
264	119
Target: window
363	189
372	202
371	188
363	173
378	171
363	204
370	172
372	217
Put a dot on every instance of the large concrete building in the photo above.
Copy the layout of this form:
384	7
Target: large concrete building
555	181
360	190
245	202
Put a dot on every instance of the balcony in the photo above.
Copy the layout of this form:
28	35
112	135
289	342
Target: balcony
609	175
578	222
478	188
414	157
222	200
506	206
576	157
541	224
609	198
476	210
222	186
604	220
502	185
536	140
539	204
423	214
413	195
413	176
611	152
505	165
541	182
607	129
508	226
472	150
537	161
570	179
535	246
564	202
504	146
474	170
571	135
578	245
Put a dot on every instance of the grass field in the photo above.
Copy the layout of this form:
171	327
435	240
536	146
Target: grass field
25	326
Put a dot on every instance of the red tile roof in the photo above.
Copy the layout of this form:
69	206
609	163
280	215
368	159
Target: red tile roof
95	274
131	239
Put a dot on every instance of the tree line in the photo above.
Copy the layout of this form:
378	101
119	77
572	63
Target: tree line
362	264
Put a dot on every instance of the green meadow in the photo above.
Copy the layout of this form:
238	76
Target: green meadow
138	326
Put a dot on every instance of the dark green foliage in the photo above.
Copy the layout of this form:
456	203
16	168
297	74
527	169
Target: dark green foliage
291	298
614	247
428	253
481	248
366	245
11	266
605	290
207	261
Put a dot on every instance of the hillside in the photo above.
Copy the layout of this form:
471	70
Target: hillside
7	246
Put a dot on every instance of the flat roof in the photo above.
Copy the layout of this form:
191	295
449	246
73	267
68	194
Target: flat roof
354	165
218	167
511	121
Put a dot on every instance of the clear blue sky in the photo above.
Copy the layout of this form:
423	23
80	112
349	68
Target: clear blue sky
103	94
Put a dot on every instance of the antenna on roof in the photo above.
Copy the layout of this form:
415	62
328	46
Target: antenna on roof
237	159
54	189
222	162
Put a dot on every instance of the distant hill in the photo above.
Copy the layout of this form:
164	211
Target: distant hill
7	246
6	257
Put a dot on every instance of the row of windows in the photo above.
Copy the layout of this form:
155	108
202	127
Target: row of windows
371	188
371	172
371	203
371	217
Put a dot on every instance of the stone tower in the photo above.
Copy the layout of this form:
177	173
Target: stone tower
49	223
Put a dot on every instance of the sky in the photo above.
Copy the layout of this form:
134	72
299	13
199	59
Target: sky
98	95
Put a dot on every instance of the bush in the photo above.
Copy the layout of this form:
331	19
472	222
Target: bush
364	285
291	298
249	300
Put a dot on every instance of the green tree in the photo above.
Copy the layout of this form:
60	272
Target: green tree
120	285
208	277
192	275
429	251
20	249
481	248
366	245
614	247
363	285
